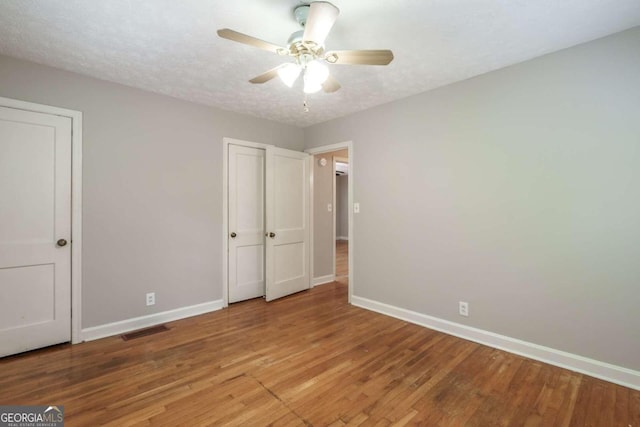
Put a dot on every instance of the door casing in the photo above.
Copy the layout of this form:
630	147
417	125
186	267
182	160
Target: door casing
76	203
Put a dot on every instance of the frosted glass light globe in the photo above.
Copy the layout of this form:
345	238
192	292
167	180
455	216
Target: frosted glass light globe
288	73
316	72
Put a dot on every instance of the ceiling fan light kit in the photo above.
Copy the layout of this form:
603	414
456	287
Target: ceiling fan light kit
289	73
315	74
306	47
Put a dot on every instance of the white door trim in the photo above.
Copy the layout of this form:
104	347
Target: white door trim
76	202
326	149
225	208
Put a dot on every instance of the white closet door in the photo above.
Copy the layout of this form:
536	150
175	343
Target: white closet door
287	209
246	223
35	230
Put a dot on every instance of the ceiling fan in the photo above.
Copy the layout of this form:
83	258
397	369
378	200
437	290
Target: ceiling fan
306	46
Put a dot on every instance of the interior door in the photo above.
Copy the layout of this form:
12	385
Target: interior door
246	223
35	230
287	209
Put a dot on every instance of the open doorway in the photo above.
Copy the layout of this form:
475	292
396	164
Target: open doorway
332	237
341	217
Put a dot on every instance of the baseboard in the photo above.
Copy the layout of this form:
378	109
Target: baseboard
322	280
116	328
342	238
604	371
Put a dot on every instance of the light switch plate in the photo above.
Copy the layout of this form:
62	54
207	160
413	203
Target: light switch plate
329	207
356	208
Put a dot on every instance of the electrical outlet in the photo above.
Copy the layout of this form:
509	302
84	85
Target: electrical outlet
463	308
151	298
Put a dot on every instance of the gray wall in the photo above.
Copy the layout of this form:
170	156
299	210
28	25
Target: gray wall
342	206
152	194
516	191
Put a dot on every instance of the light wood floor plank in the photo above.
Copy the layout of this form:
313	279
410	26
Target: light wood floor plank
342	258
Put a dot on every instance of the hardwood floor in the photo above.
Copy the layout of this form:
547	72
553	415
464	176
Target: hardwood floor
342	258
309	359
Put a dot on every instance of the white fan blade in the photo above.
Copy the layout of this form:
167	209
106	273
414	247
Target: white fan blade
359	57
265	77
322	16
235	36
331	84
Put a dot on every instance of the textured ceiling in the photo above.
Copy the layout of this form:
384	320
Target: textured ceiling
171	47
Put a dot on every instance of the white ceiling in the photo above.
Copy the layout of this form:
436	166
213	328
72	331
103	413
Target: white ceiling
171	47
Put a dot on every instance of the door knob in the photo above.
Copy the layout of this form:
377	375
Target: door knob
272	234
233	234
61	242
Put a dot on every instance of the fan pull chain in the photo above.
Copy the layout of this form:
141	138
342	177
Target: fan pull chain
305	106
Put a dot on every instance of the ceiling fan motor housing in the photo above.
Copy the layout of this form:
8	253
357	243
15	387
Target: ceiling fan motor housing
295	37
304	51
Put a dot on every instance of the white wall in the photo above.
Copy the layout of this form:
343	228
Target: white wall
152	191
516	191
